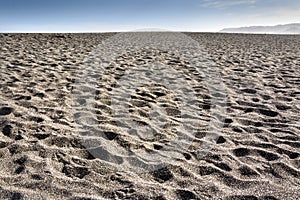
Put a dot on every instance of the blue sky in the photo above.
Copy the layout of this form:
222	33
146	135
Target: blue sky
126	15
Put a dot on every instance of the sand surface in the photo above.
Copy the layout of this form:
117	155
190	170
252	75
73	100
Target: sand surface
43	121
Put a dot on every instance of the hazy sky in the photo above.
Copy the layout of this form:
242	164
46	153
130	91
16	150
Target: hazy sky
126	15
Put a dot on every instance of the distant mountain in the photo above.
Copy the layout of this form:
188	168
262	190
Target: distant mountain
278	29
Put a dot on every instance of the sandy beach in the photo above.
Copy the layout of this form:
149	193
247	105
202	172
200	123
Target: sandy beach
241	105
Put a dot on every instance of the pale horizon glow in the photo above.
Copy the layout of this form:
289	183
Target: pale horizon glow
127	15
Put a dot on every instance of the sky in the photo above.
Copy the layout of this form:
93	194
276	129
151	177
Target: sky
129	15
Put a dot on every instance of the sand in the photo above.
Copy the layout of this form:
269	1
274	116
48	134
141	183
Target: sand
243	100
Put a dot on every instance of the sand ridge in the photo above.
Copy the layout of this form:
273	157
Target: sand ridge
43	156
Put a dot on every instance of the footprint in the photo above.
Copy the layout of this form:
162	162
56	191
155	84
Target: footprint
36	177
240	152
23	98
268	198
242	197
6	110
19	137
162	175
268	155
221	140
187	156
40	95
247	171
282	107
16	196
207	170
20	169
160	198
79	172
248	90
7	130
185	194
3	144
41	136
268	113
237	129
248	110
21	161
255	99
294	155
37	119
228	121
110	135
223	166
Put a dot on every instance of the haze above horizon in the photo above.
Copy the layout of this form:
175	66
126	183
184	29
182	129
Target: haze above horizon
127	15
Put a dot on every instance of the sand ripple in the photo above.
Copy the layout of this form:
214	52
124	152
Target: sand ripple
44	156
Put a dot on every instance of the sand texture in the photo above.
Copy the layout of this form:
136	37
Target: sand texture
237	137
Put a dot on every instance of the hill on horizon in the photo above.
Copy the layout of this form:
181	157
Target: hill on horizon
293	28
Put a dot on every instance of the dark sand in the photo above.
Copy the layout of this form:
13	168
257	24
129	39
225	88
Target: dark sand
256	157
